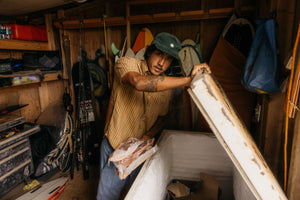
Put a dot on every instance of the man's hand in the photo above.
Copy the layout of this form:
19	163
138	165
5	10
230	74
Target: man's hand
145	137
201	68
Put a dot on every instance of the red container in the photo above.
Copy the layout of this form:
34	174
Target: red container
21	32
39	33
28	32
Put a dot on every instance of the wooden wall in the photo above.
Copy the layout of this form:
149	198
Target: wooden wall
287	15
209	29
40	95
94	39
37	95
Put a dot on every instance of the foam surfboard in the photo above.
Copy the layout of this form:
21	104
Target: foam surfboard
49	190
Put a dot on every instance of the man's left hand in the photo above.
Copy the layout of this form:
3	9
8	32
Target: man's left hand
200	69
145	137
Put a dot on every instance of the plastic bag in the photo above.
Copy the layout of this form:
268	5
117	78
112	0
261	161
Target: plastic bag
261	73
130	154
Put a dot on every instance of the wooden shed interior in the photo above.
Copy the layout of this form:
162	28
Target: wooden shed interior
96	24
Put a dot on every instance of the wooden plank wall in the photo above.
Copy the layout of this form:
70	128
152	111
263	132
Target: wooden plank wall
287	19
37	95
294	173
210	31
94	38
40	95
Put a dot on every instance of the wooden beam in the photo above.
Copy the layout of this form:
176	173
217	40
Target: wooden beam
50	33
115	21
234	137
219	13
237	7
164	15
294	173
23	45
52	76
109	41
139	2
92	23
128	25
202	25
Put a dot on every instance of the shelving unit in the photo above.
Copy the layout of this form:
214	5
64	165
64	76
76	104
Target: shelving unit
6	44
25	45
47	76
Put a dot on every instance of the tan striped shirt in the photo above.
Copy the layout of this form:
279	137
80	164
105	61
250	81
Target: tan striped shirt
132	113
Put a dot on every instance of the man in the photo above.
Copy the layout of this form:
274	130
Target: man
140	98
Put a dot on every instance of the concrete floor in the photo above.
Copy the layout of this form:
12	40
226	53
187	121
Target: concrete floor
76	189
79	189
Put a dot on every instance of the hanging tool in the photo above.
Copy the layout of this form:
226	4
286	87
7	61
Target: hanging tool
109	75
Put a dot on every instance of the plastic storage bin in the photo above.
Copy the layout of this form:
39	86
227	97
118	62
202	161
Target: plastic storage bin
21	32
28	32
16	166
15	153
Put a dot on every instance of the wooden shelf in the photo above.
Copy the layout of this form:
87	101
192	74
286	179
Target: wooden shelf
91	23
155	18
47	76
138	2
23	45
52	76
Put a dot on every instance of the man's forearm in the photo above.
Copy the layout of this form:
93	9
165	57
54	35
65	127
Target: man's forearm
151	83
161	83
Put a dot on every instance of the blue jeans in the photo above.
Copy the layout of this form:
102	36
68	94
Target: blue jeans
110	185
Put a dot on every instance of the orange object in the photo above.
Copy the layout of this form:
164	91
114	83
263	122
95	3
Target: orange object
28	32
143	39
291	98
39	34
21	32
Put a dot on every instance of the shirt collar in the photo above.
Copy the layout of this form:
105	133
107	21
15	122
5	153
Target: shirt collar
145	68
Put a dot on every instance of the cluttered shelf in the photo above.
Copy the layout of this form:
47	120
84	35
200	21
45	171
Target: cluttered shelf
30	77
10	44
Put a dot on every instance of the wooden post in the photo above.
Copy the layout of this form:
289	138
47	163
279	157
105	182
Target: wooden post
237	7
60	16
128	25
107	34
50	33
202	24
294	173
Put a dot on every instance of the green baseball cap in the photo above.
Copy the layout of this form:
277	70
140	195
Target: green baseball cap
167	43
